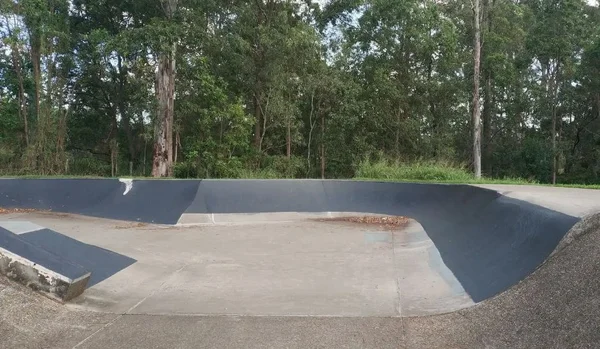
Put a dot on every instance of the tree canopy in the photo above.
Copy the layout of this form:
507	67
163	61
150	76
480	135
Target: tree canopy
297	88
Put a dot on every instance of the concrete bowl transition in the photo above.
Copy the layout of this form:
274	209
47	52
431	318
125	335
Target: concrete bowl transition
464	245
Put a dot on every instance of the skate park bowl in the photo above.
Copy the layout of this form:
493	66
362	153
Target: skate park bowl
268	247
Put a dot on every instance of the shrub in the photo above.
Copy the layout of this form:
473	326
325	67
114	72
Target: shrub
415	171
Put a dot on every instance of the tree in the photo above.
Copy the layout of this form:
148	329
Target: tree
285	88
554	42
476	111
162	163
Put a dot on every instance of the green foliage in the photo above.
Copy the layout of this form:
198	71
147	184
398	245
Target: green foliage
275	89
85	165
272	167
294	167
431	171
413	171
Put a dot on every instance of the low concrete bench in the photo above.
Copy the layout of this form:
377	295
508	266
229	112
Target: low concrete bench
39	269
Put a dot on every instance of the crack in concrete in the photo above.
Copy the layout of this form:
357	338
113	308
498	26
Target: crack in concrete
398	289
128	312
107	325
159	288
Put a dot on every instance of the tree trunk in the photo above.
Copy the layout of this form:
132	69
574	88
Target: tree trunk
177	145
258	60
397	137
22	101
435	123
487	123
37	77
488	102
122	84
553	96
476	112
163	137
18	67
312	126
258	119
162	164
554	162
40	120
130	139
322	146
554	152
171	109
288	139
114	157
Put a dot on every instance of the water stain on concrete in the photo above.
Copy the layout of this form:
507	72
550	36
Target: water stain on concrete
375	237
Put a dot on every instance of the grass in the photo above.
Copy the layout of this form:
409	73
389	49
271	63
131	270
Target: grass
438	172
584	186
245	173
415	172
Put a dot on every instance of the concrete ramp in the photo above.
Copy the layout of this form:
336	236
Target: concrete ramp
54	264
149	201
489	241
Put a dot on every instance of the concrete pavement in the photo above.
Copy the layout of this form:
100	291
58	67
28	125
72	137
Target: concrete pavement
576	202
303	268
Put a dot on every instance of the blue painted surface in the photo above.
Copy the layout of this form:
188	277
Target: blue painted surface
148	201
100	262
490	242
25	249
436	263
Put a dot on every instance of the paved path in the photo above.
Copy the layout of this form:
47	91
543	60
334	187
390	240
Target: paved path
572	201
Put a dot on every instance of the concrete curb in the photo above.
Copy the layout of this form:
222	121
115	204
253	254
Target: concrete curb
39	269
41	279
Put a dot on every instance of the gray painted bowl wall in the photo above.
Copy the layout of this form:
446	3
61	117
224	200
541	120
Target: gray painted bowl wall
489	241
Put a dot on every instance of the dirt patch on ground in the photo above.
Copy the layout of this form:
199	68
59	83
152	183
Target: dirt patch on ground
18	210
383	222
131	225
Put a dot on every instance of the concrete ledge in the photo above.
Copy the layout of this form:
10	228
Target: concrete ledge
39	269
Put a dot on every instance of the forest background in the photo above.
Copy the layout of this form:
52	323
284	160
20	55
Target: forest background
301	89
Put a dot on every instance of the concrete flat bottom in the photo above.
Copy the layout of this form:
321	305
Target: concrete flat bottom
556	307
302	268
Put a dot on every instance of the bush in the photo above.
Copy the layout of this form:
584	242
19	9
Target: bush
7	159
284	167
185	169
273	167
265	173
416	171
88	166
